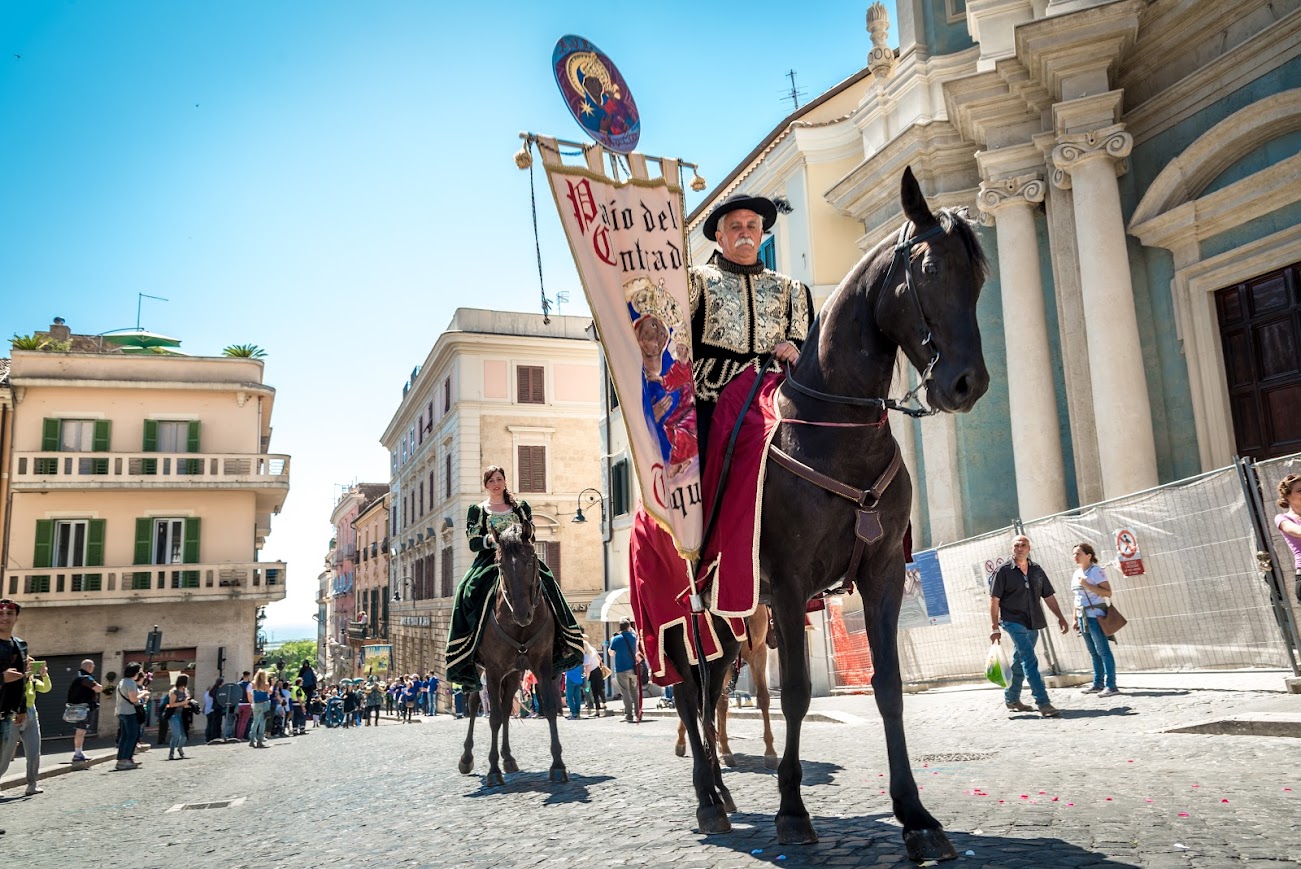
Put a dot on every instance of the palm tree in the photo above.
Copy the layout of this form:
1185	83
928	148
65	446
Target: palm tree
28	342
244	351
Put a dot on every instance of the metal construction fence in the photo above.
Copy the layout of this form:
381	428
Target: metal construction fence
1202	602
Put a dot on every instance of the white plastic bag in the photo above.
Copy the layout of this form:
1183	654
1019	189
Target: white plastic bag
998	669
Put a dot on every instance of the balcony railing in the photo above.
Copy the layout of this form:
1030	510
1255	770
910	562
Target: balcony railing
146	583
357	630
147	470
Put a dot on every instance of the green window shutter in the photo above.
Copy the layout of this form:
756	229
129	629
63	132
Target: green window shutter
192	437
43	554
50	435
99	442
144	529
95	543
191	552
151	436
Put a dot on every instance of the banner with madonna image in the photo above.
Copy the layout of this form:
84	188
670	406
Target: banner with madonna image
628	241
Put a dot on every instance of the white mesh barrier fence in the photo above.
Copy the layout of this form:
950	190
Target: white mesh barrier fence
1200	603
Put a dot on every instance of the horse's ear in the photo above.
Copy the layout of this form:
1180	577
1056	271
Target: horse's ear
914	203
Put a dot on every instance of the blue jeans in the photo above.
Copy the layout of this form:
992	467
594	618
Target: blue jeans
257	725
1024	664
175	733
574	697
1104	664
128	734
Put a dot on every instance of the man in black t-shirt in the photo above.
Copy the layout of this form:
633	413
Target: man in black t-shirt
84	689
13	686
1014	609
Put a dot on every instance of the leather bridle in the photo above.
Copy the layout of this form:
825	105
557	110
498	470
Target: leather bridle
902	253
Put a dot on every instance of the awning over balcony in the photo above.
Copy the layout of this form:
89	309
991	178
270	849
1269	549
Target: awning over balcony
610	606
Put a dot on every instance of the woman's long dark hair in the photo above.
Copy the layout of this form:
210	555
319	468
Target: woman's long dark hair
495	469
212	692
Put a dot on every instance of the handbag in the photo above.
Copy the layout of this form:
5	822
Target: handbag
1111	620
75	713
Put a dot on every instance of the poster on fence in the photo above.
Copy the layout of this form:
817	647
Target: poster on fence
924	600
985	571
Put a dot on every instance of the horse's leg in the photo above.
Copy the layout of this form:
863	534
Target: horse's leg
757	660
711	813
550	689
509	688
467	757
720	672
793	824
720	715
680	748
495	717
923	836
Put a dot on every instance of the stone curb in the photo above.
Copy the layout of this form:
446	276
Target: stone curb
63	768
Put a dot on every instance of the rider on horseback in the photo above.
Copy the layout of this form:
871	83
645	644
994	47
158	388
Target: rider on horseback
475	593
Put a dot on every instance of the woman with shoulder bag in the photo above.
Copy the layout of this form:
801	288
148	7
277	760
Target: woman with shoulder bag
1090	589
178	699
259	695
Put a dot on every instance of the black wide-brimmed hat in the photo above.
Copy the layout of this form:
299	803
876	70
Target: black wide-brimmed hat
758	204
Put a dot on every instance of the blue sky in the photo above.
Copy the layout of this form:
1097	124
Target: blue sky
331	180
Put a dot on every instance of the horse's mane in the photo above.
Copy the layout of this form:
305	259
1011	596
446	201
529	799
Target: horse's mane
513	537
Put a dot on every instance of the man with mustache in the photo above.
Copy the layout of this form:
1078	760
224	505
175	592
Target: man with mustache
740	310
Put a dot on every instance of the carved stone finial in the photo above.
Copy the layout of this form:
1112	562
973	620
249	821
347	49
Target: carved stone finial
880	59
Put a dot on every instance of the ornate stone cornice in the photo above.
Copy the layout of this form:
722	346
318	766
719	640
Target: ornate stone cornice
1112	143
1022	190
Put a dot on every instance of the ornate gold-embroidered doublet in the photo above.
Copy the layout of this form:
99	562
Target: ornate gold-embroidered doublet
739	313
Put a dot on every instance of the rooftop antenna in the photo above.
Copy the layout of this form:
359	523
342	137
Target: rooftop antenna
140	298
795	93
562	296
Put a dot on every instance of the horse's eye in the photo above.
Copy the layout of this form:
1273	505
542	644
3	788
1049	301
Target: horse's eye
930	267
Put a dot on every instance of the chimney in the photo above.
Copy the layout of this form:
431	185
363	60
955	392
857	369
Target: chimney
59	330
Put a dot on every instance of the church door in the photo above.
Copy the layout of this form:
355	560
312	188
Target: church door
1260	330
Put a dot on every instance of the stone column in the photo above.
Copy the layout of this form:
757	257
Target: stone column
1032	394
1088	163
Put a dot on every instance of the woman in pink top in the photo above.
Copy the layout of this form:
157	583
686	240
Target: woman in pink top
1289	523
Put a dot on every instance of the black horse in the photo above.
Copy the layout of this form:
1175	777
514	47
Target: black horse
518	636
916	292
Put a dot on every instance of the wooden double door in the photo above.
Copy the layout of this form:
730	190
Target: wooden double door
1260	330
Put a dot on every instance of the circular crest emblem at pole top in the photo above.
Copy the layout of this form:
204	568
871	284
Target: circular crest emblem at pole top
596	93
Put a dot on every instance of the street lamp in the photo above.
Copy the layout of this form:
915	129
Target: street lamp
595	498
397	596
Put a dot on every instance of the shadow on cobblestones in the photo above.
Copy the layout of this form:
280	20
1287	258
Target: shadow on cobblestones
863	842
576	790
816	772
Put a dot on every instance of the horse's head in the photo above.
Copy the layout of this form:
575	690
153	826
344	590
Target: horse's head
519	571
931	294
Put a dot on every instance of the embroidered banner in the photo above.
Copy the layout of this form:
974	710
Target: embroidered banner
628	241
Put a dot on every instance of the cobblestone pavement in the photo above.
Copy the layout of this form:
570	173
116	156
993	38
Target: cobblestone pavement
1101	786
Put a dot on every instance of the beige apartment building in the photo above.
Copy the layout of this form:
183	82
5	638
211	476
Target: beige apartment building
142	490
350	618
498	388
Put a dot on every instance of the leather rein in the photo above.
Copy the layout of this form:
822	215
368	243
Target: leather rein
521	646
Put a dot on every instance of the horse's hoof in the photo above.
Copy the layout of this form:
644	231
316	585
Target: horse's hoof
792	830
771	761
928	845
713	819
680	750
560	774
727	759
508	764
466	766
494	779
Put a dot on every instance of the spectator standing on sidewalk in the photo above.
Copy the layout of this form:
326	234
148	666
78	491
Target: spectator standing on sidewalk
212	712
298	706
124	705
259	695
623	648
374	698
14	715
84	689
1015	594
178	699
431	705
1289	522
574	679
29	733
1090	588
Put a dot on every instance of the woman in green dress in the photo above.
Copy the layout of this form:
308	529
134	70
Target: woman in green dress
474	596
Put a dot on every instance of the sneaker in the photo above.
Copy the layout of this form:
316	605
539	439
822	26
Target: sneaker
1092	689
78	757
126	764
1048	710
1018	706
1108	692
33	790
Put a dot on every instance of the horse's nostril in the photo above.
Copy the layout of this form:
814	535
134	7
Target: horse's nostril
963	387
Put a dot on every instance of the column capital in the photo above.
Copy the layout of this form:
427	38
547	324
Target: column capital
1026	190
1112	143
